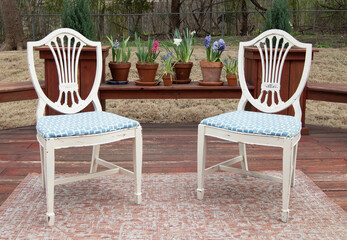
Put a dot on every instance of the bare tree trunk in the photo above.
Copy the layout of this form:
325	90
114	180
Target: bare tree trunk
175	20
244	24
13	27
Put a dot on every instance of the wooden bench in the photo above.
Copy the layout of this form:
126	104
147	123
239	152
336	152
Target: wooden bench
176	91
16	91
328	92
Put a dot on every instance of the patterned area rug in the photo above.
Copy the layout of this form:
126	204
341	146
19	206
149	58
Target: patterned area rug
234	208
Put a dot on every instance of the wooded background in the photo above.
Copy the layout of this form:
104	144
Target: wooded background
160	17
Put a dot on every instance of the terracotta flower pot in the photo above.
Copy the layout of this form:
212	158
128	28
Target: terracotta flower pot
147	71
211	71
183	70
167	79
232	79
119	71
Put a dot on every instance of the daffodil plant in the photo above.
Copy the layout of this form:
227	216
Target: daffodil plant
182	44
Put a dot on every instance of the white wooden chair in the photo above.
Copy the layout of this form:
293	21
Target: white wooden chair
260	128
74	129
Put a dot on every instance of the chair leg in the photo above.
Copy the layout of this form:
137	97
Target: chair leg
242	150
95	154
202	149
137	161
295	155
287	173
49	169
43	173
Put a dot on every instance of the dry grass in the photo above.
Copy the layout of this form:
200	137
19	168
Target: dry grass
329	65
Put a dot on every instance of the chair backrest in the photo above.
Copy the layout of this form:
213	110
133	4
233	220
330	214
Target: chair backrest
273	46
66	46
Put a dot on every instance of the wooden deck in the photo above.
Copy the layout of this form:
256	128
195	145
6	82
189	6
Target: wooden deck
172	148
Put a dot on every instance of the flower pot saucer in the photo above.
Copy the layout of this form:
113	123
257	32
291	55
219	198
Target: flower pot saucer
116	82
140	83
202	83
184	81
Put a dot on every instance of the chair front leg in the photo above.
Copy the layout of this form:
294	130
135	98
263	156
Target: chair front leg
95	155
49	169
137	162
295	155
287	173
243	154
202	149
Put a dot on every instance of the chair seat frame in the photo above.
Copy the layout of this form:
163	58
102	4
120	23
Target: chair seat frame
288	144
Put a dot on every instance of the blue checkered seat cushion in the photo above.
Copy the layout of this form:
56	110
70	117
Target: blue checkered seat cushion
256	123
86	123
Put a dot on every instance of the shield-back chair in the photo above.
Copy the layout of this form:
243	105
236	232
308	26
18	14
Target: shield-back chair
74	128
264	127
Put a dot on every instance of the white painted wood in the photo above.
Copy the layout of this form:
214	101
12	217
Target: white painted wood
243	155
112	166
85	176
295	155
95	155
287	173
43	173
272	59
272	65
66	46
49	170
201	155
250	173
137	163
216	167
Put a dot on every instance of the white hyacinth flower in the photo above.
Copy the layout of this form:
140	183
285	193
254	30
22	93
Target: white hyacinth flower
192	33
177	41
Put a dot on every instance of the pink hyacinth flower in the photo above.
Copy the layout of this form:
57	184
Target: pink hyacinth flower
155	46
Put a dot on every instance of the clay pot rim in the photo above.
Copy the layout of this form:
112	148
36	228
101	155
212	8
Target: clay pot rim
207	64
231	75
168	76
184	63
147	63
119	64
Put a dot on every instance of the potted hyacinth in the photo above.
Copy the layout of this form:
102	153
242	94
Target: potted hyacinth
120	64
212	68
230	67
168	69
182	47
146	65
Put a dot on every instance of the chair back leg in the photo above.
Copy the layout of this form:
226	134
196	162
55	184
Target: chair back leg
243	154
43	172
95	155
295	154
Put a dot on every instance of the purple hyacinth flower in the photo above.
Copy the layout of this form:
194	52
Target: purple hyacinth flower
215	46
221	44
208	41
166	57
116	45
